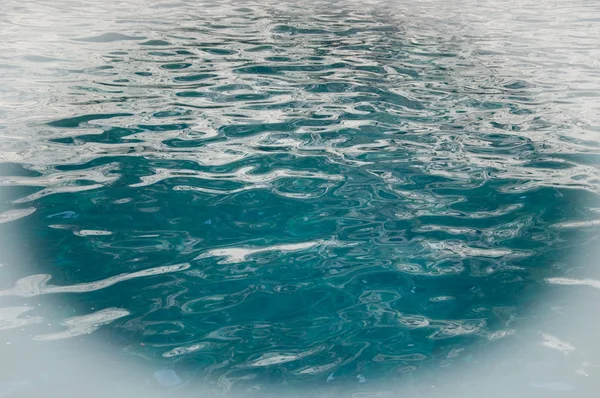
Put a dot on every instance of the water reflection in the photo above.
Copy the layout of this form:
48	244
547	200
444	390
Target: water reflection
264	194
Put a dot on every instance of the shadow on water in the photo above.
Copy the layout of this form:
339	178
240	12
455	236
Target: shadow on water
314	197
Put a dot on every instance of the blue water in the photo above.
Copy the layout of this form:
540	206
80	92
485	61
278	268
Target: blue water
257	195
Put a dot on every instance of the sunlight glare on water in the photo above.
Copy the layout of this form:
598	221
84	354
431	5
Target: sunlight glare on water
256	194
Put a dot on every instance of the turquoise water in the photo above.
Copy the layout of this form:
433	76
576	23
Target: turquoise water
258	195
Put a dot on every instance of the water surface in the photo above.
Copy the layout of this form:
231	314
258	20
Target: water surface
266	194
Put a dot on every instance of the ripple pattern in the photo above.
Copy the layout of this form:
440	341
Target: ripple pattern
274	193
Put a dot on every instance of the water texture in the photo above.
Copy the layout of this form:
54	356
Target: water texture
260	193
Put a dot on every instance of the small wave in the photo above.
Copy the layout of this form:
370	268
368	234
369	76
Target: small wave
36	285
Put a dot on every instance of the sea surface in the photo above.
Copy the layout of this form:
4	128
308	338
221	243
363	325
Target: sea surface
253	195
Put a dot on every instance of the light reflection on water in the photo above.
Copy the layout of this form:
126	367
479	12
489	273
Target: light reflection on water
317	196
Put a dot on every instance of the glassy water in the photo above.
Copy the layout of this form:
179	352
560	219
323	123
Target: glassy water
259	194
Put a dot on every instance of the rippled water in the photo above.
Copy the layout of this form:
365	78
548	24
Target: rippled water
259	193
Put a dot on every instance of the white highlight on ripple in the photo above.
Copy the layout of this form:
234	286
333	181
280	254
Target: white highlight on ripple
217	191
413	321
463	250
10	317
450	329
444	329
12	215
242	175
92	232
500	334
186	350
240	254
572	281
276	358
577	224
55	190
441	298
63	182
434	270
85	324
556	343
36	285
81	232
318	368
98	174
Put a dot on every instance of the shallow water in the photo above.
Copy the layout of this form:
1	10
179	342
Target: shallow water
263	194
